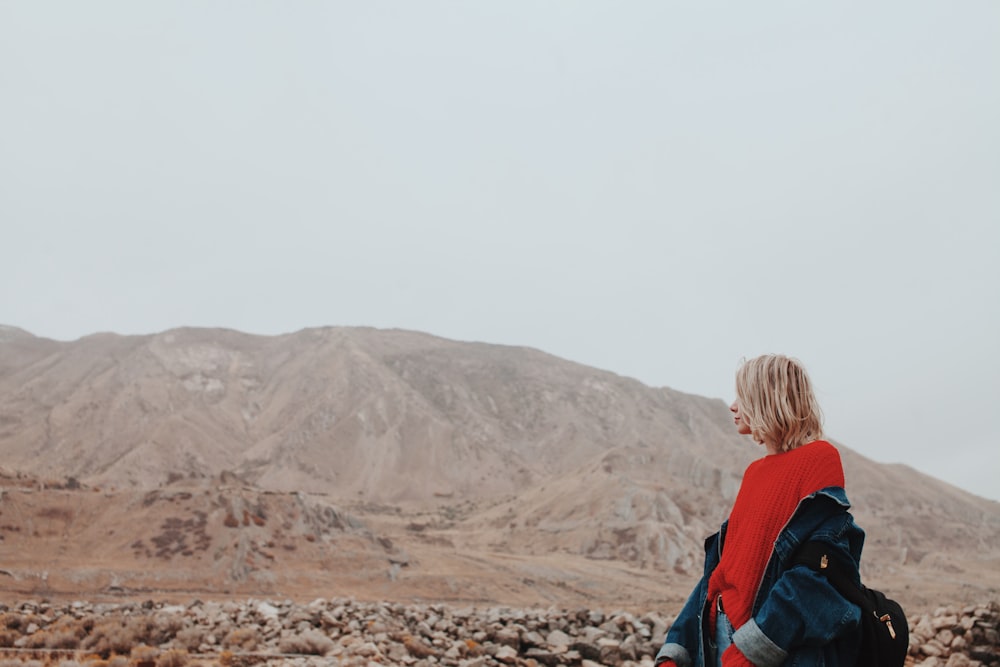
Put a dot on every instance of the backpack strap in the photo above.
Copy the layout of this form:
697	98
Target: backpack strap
882	643
818	556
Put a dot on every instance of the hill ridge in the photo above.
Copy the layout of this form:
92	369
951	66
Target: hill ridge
528	453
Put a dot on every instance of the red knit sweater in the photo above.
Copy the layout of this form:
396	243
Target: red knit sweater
771	490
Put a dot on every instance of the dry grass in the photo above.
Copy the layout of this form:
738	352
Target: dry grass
190	638
242	639
118	634
310	642
417	648
172	658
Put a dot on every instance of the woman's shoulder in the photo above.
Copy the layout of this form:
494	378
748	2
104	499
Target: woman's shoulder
818	464
819	446
819	449
814	452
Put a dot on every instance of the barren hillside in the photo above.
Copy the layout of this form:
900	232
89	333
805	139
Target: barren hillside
383	415
455	470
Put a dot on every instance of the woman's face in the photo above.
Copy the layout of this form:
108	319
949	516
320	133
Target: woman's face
741	427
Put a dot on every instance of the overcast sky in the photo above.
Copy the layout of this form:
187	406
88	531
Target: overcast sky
658	189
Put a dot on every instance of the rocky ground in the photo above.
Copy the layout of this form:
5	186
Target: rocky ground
346	633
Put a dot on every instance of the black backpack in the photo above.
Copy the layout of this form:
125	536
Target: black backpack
885	635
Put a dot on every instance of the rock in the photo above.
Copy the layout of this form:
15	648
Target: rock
544	657
983	653
945	621
558	638
506	654
630	648
586	650
932	648
610	651
359	634
532	638
507	637
267	611
958	660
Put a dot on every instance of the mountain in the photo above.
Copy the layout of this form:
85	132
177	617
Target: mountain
445	449
390	416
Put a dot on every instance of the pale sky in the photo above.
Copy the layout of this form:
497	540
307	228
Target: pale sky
657	189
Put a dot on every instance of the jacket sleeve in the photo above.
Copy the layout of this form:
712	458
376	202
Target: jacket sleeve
802	608
685	632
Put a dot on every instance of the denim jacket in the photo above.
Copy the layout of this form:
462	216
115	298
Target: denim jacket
798	617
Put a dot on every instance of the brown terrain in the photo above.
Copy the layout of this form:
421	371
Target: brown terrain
397	466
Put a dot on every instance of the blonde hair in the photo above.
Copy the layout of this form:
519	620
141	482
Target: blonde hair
777	402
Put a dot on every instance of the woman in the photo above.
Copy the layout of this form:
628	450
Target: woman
750	608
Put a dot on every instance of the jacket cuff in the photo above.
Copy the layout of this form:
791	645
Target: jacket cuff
757	646
674	652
